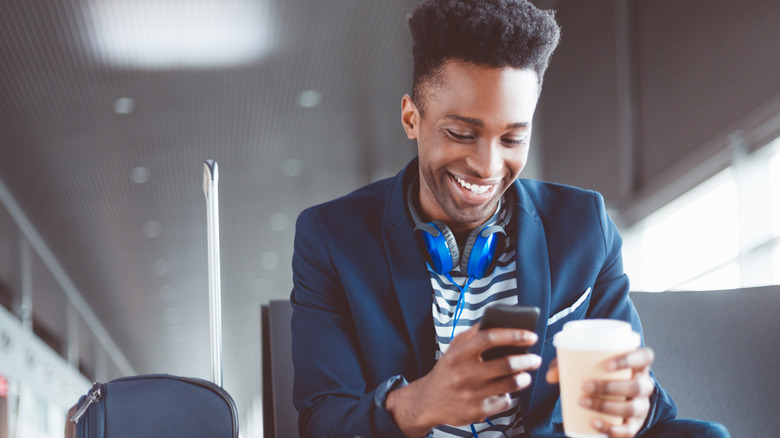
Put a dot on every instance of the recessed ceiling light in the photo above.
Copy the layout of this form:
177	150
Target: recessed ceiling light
152	229
309	98
124	105
140	175
292	167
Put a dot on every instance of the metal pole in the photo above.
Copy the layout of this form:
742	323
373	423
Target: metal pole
210	188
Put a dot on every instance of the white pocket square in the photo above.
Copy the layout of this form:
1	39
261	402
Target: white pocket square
567	311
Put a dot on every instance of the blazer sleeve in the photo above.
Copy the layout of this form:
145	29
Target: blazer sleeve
329	388
610	300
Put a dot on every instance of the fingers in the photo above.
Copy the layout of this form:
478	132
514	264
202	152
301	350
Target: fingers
524	362
494	404
637	360
640	386
512	375
627	430
631	408
627	399
552	372
503	375
471	343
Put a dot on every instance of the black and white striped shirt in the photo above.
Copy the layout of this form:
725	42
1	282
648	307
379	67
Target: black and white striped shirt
499	286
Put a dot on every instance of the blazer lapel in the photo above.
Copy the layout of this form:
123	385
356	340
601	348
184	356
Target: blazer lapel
533	276
409	274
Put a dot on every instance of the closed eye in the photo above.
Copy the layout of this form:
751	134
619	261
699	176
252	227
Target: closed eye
515	141
460	137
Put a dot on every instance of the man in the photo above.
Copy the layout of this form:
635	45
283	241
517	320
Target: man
386	300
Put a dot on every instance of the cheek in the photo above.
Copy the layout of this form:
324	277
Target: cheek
516	160
435	151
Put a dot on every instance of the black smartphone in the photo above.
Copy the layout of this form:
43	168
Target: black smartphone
508	316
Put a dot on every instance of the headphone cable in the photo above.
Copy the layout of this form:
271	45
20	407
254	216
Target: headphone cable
458	310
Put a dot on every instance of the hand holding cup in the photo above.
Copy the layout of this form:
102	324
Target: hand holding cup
604	376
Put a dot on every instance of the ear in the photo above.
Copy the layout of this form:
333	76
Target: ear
410	117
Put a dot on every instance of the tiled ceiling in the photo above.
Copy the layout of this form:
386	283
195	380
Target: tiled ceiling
104	156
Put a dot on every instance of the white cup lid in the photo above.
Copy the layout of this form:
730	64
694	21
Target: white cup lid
597	334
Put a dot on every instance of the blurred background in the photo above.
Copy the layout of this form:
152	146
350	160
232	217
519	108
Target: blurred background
108	109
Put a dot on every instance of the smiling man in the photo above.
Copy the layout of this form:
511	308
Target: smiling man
390	281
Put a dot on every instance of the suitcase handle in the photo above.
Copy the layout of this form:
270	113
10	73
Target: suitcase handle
210	189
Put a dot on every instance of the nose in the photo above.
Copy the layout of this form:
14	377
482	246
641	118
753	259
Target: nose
487	159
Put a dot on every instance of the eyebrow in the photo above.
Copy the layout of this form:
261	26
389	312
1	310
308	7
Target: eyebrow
479	123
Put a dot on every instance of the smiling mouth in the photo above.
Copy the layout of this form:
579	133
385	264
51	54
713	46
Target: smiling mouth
475	188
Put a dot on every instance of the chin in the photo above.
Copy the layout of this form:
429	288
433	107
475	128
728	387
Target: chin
471	214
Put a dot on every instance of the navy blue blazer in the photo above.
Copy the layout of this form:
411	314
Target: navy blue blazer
362	300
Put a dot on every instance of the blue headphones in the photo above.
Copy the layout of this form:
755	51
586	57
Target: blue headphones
440	242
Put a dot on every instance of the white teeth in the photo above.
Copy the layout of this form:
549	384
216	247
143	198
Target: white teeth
473	187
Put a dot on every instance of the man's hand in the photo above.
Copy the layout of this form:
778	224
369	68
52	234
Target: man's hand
462	388
633	403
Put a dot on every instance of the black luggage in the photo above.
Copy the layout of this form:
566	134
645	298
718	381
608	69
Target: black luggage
161	405
156	405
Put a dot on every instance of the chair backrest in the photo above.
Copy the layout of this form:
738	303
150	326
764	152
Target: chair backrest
717	353
280	418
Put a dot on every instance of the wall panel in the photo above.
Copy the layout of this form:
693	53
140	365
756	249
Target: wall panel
578	107
703	67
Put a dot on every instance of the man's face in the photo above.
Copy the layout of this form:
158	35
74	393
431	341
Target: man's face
472	139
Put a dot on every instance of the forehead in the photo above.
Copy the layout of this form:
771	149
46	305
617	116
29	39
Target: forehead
480	90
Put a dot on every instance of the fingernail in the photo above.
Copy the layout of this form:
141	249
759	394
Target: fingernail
586	402
520	363
611	365
529	337
597	423
523	380
589	387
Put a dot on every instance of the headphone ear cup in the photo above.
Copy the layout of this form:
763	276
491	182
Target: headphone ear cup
443	248
479	252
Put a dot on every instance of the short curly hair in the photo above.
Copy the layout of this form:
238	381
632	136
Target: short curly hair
495	33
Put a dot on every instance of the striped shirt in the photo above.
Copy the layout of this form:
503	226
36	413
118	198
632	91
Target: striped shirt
498	287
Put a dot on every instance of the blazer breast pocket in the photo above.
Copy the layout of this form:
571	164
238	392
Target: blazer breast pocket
571	313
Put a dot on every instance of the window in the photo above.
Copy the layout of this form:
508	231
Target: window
723	234
774	188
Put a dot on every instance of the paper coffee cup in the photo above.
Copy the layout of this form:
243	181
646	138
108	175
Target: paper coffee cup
583	347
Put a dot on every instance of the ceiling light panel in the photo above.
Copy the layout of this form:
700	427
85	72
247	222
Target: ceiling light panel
166	34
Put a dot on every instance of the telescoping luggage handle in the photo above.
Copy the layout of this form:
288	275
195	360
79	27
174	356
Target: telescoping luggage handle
210	188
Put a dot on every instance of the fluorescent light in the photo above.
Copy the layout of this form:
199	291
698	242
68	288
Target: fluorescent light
124	105
161	34
309	99
140	175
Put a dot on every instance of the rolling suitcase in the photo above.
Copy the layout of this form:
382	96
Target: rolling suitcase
161	405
